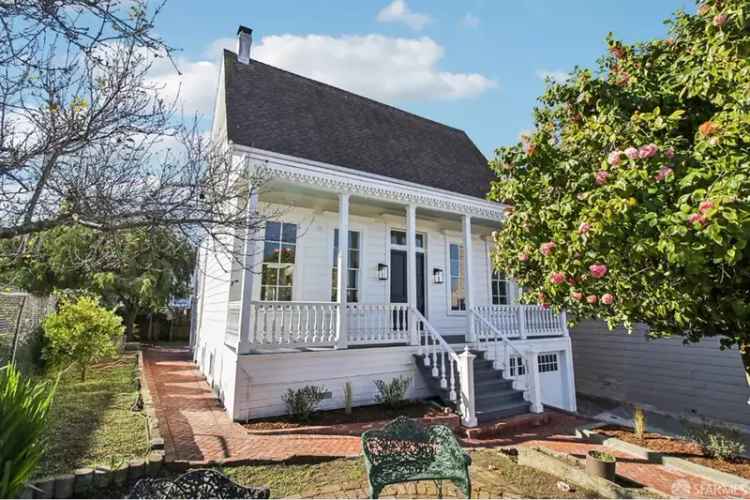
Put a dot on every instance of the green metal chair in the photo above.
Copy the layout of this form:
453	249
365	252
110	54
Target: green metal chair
405	451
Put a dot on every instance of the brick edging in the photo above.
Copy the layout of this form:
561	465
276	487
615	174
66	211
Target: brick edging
74	485
685	466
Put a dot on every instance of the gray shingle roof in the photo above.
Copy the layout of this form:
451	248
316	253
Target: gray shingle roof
272	109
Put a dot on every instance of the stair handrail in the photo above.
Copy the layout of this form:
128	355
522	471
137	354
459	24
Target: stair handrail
439	354
531	369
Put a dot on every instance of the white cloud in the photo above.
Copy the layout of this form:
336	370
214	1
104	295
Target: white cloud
398	12
384	68
470	20
381	67
555	76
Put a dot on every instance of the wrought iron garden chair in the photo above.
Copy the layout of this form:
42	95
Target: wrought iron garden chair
198	483
405	451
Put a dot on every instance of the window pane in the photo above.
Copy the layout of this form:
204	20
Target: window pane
273	231
352	277
271	252
269	275
398	238
267	293
354	239
287	253
353	259
420	241
454	252
286	275
289	233
352	295
284	293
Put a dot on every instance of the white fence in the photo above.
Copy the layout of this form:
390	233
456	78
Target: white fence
377	323
523	321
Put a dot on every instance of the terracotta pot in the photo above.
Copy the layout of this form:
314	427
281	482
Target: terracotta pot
597	467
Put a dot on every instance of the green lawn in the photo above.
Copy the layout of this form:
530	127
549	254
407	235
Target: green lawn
91	423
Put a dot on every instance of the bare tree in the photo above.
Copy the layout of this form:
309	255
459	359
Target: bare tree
85	136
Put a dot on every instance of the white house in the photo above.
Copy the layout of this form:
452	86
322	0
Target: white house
406	197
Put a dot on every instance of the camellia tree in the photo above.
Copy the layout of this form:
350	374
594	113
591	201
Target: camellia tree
629	199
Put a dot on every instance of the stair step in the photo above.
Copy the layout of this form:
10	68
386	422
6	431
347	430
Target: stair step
502	411
492	399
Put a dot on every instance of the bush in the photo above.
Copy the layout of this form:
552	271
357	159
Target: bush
393	393
717	442
302	403
24	406
81	332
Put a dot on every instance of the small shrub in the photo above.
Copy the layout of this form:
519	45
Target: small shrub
81	332
302	403
348	398
603	456
639	422
717	442
392	394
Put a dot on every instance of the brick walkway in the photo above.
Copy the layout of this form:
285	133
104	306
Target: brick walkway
196	428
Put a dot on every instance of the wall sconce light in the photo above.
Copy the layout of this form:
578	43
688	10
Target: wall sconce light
382	272
437	276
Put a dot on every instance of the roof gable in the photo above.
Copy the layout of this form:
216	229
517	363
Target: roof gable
275	110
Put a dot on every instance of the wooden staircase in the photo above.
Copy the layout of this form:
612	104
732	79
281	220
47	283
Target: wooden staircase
495	397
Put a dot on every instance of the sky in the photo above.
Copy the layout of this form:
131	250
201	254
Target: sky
477	65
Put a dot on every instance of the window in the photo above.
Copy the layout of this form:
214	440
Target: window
499	289
352	278
279	251
547	362
458	295
517	367
398	238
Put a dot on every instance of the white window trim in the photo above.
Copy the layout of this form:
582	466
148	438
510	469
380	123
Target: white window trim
427	277
447	273
297	285
512	288
356	228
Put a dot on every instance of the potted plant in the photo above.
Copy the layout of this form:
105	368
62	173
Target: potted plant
601	464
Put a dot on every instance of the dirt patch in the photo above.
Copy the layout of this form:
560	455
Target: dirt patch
359	415
677	447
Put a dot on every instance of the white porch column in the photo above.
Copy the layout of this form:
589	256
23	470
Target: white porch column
248	275
534	386
468	278
342	263
411	268
466	379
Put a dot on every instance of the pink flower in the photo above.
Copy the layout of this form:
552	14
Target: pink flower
592	299
703	9
648	151
664	172
608	298
669	153
523	257
720	20
571	280
696	219
577	296
545	306
598	271
614	158
547	248
705	206
601	177
584	228
631	153
557	278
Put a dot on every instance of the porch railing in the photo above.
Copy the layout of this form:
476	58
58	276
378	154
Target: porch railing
293	324
377	323
523	321
232	334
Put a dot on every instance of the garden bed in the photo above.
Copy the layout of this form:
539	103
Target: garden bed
359	415
91	423
677	447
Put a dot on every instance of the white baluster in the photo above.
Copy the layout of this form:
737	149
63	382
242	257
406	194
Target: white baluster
453	367
443	381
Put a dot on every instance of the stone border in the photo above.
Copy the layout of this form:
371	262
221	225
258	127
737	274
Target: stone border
354	429
570	469
82	480
686	466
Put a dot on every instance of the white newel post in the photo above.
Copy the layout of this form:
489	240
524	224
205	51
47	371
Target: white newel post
248	275
468	279
343	271
534	383
466	380
522	321
564	323
411	268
